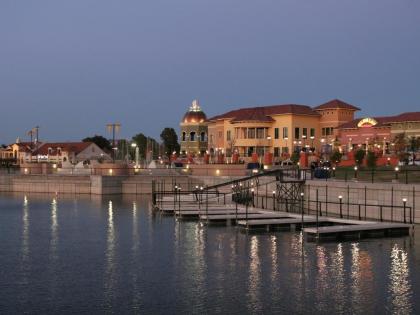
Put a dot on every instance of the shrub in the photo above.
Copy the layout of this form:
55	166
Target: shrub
359	156
371	159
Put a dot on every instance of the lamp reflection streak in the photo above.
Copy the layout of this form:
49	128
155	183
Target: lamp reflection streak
399	284
110	256
254	275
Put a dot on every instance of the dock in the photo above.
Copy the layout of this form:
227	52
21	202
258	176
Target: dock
216	210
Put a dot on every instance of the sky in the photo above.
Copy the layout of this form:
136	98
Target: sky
71	67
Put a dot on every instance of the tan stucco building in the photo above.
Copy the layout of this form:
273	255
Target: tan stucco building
278	129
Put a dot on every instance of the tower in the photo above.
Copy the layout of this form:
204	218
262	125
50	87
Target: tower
194	131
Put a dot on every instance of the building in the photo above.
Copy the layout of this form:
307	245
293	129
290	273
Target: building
194	131
72	152
377	133
278	129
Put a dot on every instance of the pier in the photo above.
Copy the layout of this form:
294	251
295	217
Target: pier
233	203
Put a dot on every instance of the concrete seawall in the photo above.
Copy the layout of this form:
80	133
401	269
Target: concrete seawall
91	184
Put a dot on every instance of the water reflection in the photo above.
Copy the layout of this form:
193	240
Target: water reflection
254	281
25	252
399	282
54	230
355	276
110	257
337	266
135	258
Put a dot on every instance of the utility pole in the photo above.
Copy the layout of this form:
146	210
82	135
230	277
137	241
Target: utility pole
113	128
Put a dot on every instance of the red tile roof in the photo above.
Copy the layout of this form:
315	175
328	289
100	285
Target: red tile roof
263	113
385	120
75	147
333	104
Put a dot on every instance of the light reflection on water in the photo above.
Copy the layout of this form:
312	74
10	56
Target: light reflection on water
131	260
399	282
110	267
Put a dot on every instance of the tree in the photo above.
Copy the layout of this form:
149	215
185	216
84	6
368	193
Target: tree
371	159
170	141
359	156
295	157
146	145
414	145
336	156
100	141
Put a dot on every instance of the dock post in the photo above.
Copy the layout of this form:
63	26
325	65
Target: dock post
360	215
380	213
301	209
404	202
392	204
317	222
326	200
340	198
207	202
274	200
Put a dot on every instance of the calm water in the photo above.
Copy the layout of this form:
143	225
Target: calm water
83	255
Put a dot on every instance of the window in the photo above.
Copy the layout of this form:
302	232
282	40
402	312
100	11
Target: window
184	136
276	133
203	137
211	139
285	150
276	152
228	135
305	132
192	136
260	133
312	132
285	132
251	133
297	133
323	131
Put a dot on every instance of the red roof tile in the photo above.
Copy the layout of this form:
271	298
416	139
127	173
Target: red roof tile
263	113
384	120
333	104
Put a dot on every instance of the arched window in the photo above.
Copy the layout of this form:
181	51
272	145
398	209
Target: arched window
203	137
192	136
183	136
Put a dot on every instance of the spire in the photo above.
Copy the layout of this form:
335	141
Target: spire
195	106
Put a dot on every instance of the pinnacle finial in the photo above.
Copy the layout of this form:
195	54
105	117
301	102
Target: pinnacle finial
195	106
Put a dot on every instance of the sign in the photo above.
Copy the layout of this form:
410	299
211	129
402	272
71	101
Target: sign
367	122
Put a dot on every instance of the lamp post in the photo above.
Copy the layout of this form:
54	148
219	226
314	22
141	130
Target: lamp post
312	142
274	200
340	198
404	200
396	172
355	171
113	128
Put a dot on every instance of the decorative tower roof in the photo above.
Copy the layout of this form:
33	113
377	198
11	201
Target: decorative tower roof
195	114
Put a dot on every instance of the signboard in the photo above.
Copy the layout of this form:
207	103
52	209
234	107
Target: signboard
367	122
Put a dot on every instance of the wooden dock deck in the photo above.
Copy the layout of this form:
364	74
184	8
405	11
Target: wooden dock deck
215	211
356	231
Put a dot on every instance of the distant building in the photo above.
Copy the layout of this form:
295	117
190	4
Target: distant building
377	133
72	152
194	131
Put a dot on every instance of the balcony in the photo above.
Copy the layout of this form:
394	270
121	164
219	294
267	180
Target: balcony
253	142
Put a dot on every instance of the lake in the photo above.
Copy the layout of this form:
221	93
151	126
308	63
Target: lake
85	254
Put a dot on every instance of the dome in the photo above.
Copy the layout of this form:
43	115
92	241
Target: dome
195	114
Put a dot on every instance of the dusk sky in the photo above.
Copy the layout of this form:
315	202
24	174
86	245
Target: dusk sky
73	66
